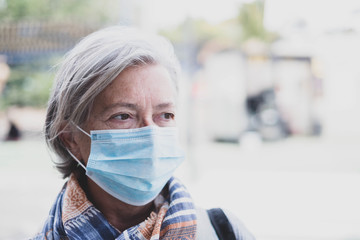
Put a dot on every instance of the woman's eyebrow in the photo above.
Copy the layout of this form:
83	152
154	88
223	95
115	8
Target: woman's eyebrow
121	104
165	105
136	107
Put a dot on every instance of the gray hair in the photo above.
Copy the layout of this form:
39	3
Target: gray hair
88	69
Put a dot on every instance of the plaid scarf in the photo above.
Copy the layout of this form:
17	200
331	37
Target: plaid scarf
73	216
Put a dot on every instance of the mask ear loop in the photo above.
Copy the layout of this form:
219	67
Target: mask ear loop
82	130
76	159
71	154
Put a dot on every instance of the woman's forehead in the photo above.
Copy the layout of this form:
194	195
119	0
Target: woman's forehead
138	85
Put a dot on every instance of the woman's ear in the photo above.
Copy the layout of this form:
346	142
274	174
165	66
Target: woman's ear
67	136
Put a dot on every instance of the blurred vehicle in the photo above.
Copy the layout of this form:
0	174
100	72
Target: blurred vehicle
273	95
264	116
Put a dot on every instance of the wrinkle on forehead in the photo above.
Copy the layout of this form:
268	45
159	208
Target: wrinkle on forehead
145	87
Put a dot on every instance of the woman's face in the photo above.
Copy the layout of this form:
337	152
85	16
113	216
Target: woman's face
138	97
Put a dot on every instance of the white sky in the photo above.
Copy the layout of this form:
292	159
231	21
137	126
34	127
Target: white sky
279	14
164	13
319	15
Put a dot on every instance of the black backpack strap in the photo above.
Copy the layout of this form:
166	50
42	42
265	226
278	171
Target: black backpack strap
221	224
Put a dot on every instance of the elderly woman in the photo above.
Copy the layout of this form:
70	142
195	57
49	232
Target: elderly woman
111	120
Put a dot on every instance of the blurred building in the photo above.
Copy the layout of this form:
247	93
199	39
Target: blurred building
305	83
272	91
24	42
331	37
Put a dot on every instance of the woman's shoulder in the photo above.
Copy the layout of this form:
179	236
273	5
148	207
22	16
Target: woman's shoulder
205	229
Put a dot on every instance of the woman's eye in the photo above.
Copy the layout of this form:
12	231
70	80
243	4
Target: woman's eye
122	116
168	116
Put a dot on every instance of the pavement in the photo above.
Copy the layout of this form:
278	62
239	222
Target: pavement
298	188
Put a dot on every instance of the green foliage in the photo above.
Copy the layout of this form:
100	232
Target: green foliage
59	10
251	19
191	35
199	31
196	30
28	85
234	32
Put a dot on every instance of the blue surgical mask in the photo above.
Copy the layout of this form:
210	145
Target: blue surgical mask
133	165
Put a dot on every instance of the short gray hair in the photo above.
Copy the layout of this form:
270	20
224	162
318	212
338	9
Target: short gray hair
88	69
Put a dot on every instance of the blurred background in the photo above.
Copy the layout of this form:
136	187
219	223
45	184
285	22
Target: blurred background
269	109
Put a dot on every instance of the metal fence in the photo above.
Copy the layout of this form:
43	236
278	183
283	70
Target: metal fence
28	41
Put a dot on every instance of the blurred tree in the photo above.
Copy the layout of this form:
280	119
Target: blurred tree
192	34
199	31
59	10
251	20
30	80
28	85
188	38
